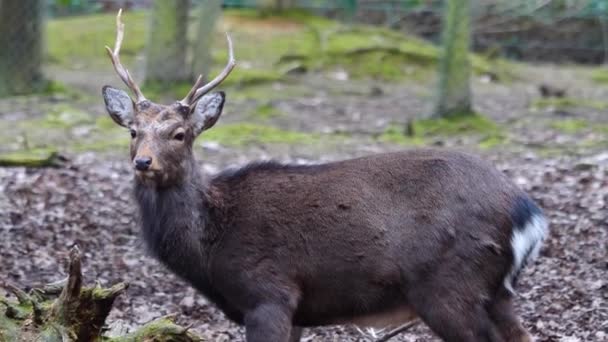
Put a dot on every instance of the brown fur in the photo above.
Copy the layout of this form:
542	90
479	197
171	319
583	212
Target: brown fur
376	240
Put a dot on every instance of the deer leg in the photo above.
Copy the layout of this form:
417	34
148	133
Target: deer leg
505	318
296	334
455	323
268	323
454	326
455	312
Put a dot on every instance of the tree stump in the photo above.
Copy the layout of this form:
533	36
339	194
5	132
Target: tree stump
68	311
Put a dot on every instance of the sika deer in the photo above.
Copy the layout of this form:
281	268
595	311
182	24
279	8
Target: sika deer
374	241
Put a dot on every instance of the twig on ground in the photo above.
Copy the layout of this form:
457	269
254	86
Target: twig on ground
398	331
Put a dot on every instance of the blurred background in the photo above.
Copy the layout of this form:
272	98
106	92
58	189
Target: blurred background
303	66
524	83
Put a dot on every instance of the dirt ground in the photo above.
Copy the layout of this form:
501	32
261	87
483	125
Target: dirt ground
562	297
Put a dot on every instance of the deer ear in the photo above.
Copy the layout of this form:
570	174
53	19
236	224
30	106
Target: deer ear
207	111
119	105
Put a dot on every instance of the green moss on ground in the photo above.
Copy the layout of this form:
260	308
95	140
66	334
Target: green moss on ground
458	124
78	42
264	42
116	142
105	123
65	128
420	131
239	78
266	111
31	158
370	52
65	116
600	128
493	140
569	102
160	330
570	126
8	329
53	87
600	76
395	134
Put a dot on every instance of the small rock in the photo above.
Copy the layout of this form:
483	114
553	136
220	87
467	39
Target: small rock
339	75
211	146
187	302
584	166
376	91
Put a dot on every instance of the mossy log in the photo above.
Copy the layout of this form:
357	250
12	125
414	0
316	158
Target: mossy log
32	158
67	311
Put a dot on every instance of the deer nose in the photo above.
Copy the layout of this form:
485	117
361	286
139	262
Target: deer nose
143	163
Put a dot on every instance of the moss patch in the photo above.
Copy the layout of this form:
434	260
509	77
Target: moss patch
239	80
365	51
395	134
568	102
458	124
264	43
159	330
65	128
421	130
30	158
492	141
161	91
78	42
600	128
600	76
266	111
113	142
8	328
570	126
65	116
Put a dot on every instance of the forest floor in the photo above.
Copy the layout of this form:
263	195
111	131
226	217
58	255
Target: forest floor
556	149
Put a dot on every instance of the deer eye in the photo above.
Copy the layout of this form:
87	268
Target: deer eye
133	133
179	136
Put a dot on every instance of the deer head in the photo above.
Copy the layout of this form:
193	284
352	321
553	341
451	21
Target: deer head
162	135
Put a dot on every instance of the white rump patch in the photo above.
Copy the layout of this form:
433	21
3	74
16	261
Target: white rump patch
526	243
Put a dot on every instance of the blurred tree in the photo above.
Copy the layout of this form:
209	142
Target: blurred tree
454	95
284	4
276	4
167	42
21	29
210	11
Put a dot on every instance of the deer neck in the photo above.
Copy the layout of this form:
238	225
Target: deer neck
176	220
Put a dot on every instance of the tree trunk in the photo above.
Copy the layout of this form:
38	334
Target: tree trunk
167	42
21	25
282	5
454	95
67	311
210	11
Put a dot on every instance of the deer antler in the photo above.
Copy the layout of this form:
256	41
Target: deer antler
122	72
197	91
